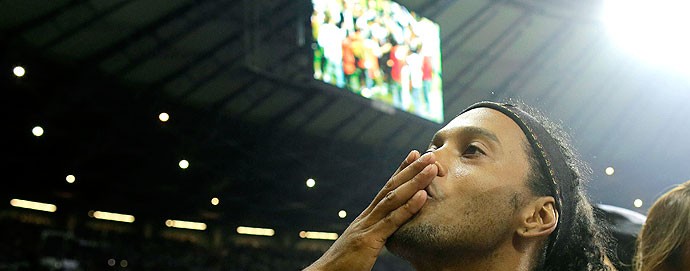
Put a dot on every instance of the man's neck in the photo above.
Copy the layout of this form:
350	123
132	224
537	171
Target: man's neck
505	258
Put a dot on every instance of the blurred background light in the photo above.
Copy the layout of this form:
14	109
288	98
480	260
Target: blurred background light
255	231
39	206
112	216
181	224
311	182
609	171
637	203
184	164
318	235
19	71
342	214
163	117
215	201
654	31
37	131
70	178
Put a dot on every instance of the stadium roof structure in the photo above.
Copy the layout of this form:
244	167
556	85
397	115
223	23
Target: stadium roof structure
235	78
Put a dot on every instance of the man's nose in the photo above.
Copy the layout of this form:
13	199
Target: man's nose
440	162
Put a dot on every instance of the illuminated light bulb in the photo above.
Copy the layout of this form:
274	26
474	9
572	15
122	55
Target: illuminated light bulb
185	224
123	263
70	178
37	131
342	214
163	117
318	235
609	171
39	206
638	203
255	231
112	216
311	182
111	262
183	164
19	71
215	201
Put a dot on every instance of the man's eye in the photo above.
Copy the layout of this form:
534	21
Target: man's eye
472	150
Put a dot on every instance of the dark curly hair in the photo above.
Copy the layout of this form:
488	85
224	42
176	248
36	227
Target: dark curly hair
581	240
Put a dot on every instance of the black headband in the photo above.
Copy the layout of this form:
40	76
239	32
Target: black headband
552	161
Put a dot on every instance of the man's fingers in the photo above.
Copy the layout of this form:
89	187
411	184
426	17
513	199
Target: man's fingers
403	176
359	246
390	223
413	155
399	196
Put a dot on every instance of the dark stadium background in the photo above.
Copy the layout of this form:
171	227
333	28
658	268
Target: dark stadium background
235	78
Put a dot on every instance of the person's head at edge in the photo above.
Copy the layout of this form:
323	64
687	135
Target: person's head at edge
664	241
509	190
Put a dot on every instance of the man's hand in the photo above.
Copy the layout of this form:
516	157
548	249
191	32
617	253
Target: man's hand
398	201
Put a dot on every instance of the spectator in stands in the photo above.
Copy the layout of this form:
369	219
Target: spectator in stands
498	189
664	242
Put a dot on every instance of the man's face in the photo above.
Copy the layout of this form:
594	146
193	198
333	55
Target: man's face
473	202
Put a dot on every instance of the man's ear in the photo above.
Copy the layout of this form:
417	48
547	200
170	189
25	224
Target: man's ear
539	218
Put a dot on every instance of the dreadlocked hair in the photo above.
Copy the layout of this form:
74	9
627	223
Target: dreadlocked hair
584	240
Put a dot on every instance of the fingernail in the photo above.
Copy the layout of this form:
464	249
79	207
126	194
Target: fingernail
426	157
410	157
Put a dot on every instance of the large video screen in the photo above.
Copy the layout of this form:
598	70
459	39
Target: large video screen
379	50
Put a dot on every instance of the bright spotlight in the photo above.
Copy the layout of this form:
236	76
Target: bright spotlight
112	216
255	231
37	131
215	201
318	235
637	203
342	214
654	31
311	182
19	71
184	164
185	224
163	117
70	178
39	206
609	171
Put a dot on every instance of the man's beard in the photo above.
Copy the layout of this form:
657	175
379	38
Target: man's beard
426	241
416	240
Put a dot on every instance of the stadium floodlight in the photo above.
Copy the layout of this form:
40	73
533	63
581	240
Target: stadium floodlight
653	31
318	235
255	231
39	206
185	225
112	216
